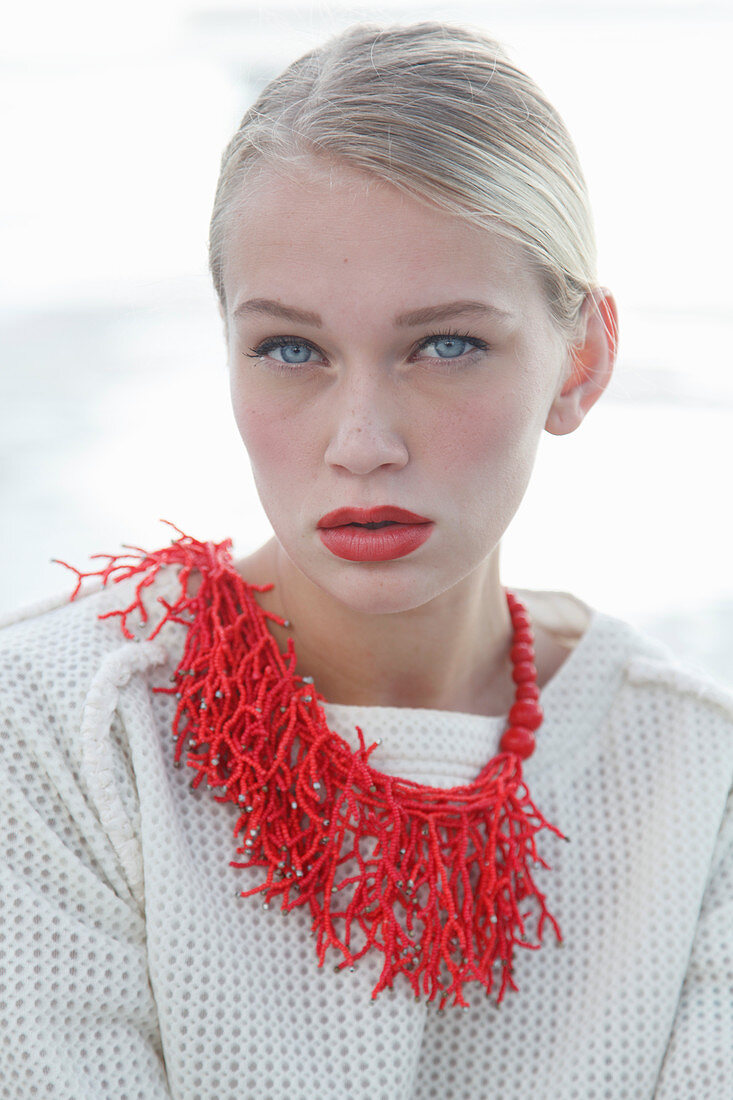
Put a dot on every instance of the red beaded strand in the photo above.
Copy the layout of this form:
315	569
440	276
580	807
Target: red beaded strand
526	715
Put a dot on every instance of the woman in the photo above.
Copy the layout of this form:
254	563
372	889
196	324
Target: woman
360	896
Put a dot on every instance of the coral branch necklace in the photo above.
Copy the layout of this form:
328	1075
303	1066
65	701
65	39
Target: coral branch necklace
437	880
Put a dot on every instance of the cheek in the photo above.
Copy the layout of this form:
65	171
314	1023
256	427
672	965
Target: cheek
274	442
478	435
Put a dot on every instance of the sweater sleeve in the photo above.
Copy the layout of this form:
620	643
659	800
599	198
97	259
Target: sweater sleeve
78	1019
699	1056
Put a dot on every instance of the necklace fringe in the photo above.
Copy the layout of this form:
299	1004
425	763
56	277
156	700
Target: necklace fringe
438	881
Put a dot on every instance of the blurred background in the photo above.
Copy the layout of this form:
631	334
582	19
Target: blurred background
113	391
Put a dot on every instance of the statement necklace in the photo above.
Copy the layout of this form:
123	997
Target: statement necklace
436	880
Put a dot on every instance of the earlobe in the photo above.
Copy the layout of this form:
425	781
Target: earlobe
589	364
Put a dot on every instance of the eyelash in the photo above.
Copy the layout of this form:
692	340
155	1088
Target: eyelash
287	341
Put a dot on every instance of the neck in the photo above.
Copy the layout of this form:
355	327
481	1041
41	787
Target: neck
449	654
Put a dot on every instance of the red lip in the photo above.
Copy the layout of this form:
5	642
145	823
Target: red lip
384	512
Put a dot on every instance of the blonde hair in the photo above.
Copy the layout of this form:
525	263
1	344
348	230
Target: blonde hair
440	112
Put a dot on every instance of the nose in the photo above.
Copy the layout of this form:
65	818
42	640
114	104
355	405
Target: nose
366	426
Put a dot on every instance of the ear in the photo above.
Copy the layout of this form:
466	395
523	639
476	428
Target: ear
588	365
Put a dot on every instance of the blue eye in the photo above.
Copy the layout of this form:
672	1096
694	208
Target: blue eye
453	344
301	347
448	347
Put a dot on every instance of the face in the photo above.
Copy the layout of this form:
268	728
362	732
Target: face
359	404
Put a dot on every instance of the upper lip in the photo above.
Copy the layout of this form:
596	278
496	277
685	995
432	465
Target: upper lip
384	512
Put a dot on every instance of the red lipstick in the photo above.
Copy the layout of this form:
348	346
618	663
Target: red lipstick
373	534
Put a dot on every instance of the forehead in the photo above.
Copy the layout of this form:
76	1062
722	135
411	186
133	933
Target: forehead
333	225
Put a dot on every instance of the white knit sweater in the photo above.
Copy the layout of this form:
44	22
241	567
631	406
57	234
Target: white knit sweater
130	967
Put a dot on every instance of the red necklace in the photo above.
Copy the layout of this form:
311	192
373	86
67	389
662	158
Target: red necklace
436	880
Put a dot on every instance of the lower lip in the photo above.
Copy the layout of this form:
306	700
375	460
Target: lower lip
382	544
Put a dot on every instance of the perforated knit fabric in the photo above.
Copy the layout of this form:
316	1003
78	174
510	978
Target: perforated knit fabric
131	968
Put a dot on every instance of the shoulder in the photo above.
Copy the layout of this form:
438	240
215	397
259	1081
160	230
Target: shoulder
683	679
121	619
667	700
656	692
693	707
63	659
649	661
77	630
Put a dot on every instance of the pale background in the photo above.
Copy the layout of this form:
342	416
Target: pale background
113	392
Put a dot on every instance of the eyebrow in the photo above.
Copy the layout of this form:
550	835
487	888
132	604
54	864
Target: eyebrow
403	320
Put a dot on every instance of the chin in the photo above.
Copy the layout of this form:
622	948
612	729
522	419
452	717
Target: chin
380	588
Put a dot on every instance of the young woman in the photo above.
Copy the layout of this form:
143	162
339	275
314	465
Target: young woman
347	818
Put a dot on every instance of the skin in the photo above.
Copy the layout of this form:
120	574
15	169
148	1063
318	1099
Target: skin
371	419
